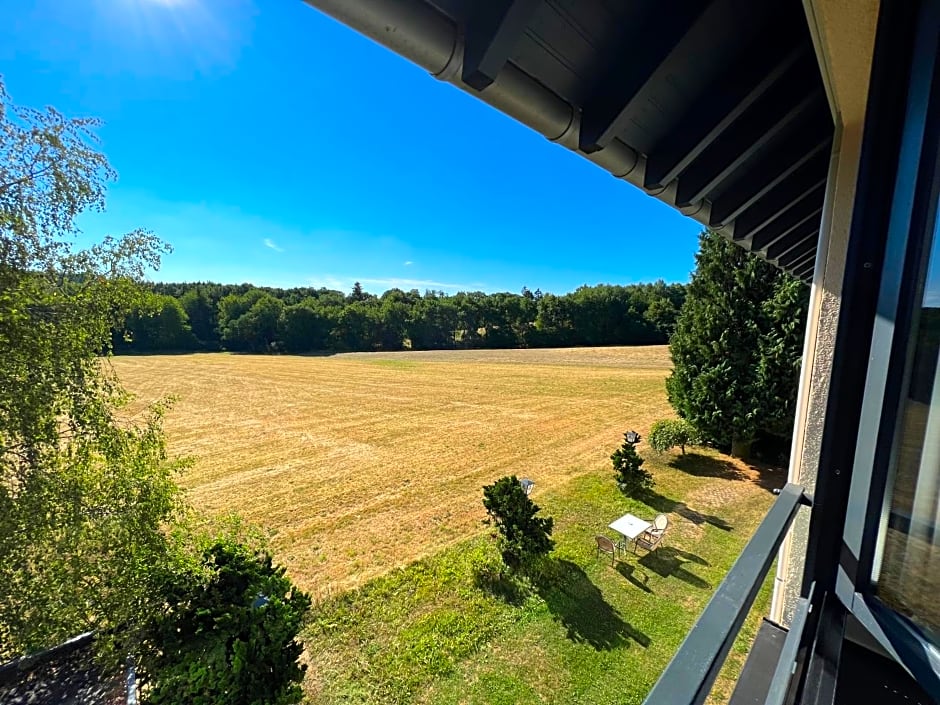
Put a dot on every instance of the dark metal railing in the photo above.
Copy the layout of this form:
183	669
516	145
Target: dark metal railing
786	662
12	671
690	675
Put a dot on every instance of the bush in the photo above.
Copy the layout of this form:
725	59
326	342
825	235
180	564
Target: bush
669	433
227	632
523	536
628	469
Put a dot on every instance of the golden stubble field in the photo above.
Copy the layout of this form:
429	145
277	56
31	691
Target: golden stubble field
361	463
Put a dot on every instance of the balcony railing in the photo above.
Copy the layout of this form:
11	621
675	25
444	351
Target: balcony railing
690	675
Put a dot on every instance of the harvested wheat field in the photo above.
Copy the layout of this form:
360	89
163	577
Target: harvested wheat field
361	463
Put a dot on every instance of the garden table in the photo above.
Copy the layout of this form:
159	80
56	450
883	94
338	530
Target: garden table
629	527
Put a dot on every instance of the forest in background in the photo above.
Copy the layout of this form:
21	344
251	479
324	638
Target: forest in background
203	316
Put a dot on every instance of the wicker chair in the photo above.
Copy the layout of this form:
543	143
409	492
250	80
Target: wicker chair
653	536
605	545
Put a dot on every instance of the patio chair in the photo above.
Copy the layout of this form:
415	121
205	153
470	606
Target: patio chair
653	536
605	545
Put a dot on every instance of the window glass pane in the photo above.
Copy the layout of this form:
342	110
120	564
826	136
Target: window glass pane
908	572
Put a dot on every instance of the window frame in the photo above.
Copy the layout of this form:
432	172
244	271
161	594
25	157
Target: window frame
910	231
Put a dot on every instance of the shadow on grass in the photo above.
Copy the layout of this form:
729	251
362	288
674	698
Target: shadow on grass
579	606
667	561
628	571
699	465
502	585
663	504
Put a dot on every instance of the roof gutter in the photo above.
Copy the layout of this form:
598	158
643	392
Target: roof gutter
430	39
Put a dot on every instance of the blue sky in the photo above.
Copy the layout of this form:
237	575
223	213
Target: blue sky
268	143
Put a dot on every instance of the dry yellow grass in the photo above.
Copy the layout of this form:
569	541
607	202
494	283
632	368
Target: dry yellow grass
361	463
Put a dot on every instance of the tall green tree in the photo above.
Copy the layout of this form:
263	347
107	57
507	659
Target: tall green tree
162	326
357	327
357	294
432	323
737	346
554	322
257	328
250	321
305	327
471	320
778	372
84	495
92	530
203	316
664	303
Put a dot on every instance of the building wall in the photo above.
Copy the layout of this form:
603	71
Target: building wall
843	36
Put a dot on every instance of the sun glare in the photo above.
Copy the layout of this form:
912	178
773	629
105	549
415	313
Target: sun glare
179	37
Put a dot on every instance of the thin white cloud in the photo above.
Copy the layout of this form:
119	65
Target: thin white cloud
377	285
330	282
400	283
268	242
408	263
380	284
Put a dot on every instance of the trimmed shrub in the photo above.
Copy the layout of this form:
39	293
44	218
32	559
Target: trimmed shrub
522	535
669	433
628	469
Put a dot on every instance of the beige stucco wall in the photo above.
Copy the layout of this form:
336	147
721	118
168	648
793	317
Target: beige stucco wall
843	35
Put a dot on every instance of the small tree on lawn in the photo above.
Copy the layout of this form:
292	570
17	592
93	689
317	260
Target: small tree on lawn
523	536
669	433
628	469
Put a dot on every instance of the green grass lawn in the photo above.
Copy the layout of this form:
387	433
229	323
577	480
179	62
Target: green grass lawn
447	629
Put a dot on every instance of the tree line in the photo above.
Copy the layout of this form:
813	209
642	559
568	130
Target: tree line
180	317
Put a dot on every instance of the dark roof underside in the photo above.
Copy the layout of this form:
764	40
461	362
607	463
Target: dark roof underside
714	106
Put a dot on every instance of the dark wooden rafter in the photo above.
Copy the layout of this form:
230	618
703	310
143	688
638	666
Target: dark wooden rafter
490	34
807	209
806	270
796	238
808	255
606	112
797	255
763	240
769	219
810	144
771	205
777	113
762	64
810	227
